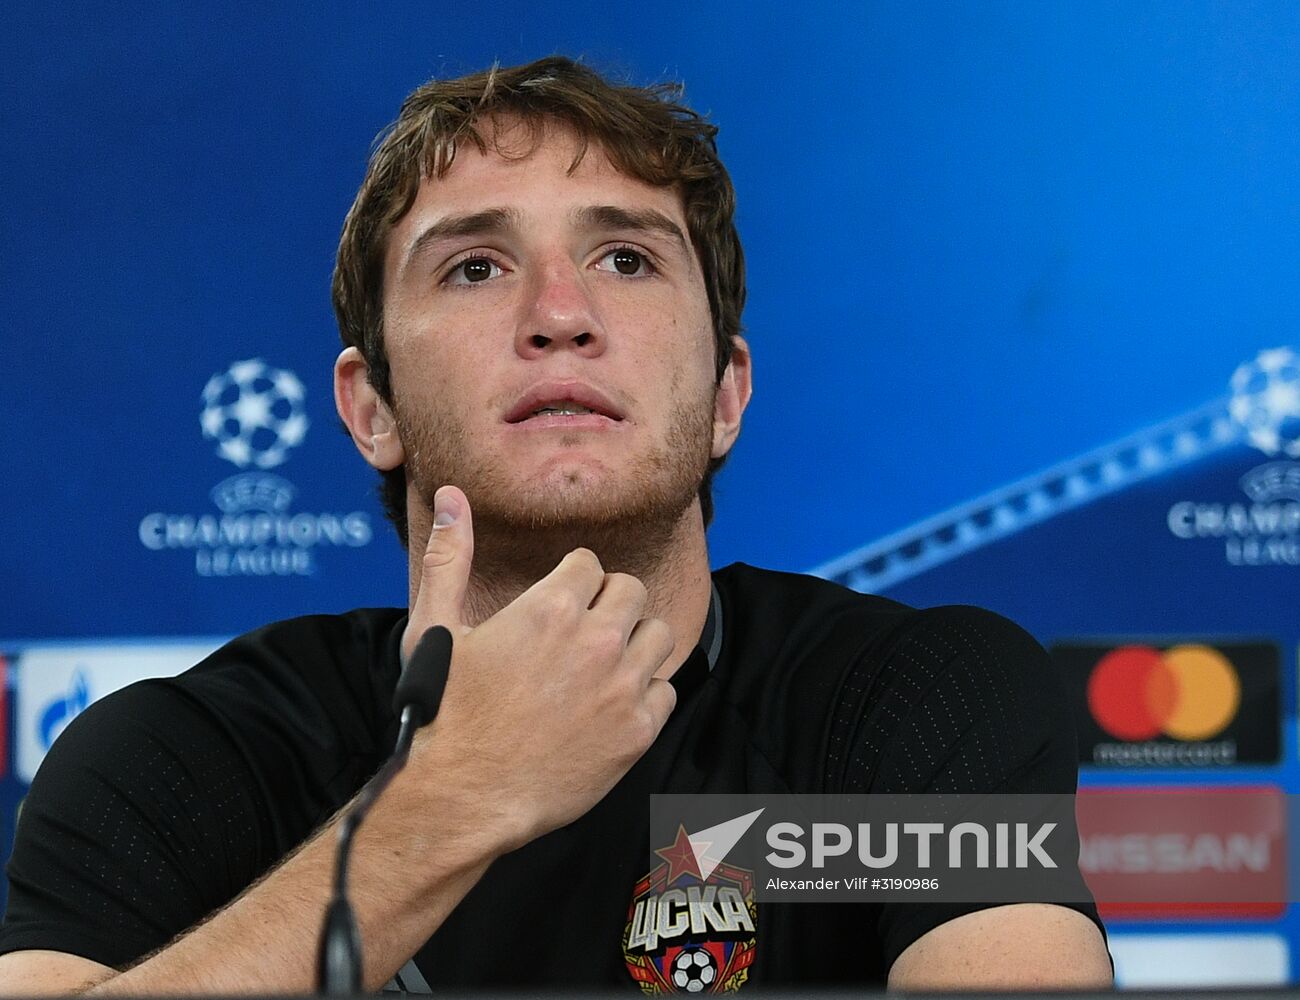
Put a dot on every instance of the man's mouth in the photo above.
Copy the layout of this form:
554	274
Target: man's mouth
566	413
564	400
564	408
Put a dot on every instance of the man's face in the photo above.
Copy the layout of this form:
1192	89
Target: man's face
550	340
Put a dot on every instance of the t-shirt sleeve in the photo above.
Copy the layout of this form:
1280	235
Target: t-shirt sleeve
960	700
140	822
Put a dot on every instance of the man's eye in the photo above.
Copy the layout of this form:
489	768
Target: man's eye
628	262
472	271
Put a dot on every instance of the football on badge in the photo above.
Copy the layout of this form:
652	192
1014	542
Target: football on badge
694	970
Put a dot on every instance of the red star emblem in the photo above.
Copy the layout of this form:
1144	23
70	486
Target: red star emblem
680	857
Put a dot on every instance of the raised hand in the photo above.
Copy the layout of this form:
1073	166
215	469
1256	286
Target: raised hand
551	700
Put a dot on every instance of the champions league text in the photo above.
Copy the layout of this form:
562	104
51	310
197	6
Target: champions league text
254	544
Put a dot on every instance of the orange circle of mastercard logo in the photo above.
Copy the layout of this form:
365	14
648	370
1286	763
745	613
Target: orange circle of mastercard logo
1187	692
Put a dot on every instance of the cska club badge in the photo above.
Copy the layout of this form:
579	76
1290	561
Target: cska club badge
687	934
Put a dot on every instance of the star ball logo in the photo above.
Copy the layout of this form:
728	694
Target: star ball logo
1184	704
1266	401
1265	406
692	921
255	414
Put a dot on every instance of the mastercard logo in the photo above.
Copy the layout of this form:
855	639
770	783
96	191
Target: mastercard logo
1186	692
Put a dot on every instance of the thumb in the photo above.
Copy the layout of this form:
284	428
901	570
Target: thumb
444	568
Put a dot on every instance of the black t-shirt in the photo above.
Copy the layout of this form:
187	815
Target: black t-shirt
163	801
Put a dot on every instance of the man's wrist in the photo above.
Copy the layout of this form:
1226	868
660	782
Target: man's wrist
455	812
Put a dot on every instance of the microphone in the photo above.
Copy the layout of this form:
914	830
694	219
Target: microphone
415	700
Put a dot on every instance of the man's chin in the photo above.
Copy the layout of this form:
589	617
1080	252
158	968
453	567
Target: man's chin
526	533
571	507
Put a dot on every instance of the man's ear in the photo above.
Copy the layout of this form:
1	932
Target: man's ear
367	417
733	396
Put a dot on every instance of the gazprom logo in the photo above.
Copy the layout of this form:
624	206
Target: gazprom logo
55	682
63	708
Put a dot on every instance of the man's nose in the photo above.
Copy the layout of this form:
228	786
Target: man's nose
561	314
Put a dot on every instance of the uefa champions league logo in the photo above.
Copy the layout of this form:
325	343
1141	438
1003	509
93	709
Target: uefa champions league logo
1266	401
254	413
1265	405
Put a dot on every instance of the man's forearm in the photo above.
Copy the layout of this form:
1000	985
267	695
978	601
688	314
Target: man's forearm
413	861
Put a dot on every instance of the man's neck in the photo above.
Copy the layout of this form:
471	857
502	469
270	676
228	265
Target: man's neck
673	564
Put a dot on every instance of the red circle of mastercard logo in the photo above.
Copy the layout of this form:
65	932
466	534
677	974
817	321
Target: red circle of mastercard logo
1186	692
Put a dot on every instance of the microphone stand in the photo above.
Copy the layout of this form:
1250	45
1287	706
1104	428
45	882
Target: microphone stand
418	695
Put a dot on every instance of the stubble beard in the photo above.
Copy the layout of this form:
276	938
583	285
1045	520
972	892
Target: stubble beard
523	529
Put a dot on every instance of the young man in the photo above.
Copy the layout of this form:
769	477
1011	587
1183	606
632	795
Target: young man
540	288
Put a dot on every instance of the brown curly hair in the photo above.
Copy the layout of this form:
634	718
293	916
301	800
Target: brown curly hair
645	133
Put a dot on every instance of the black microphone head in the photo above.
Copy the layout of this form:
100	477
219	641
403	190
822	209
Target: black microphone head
425	675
